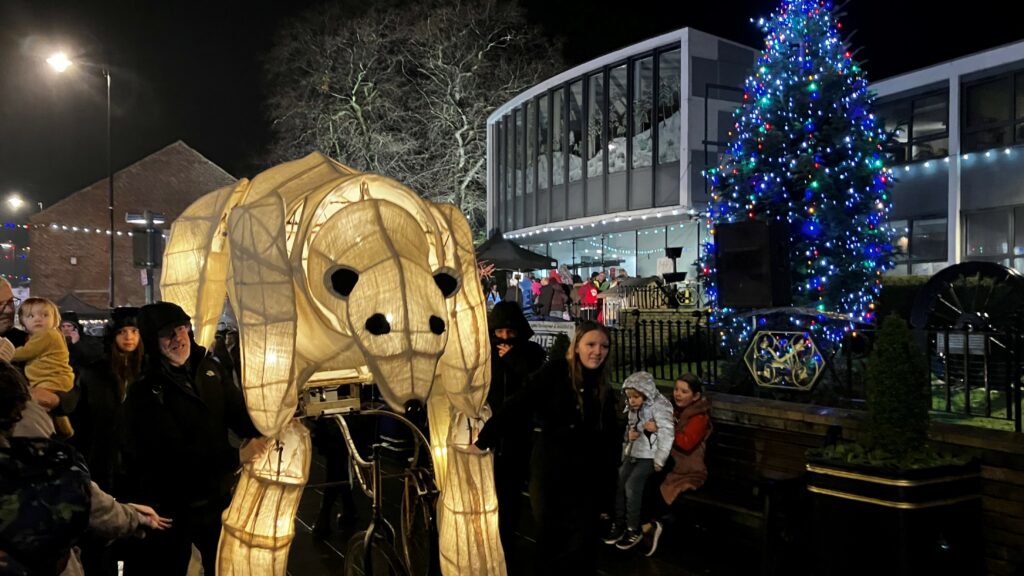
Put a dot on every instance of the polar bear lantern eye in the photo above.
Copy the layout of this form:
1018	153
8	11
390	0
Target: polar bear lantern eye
342	280
446	282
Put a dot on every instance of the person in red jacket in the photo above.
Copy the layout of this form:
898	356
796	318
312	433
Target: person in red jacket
693	426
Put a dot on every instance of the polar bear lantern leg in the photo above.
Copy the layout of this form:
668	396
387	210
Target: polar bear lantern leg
467	512
259	525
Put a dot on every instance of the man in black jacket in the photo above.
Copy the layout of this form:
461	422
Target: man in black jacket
179	457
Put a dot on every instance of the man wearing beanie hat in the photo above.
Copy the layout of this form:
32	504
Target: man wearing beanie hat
179	458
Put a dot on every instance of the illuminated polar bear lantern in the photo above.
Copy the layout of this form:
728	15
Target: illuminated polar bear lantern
337	276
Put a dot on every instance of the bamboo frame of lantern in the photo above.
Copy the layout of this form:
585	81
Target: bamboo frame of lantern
332	275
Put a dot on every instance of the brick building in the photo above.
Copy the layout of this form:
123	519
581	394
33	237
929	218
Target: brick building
69	240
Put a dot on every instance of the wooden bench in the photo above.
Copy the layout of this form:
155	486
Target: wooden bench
755	483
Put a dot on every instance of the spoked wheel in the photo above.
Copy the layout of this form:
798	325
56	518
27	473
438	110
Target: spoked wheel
977	296
383	557
419	529
970	310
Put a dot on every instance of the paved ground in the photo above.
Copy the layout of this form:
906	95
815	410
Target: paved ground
313	557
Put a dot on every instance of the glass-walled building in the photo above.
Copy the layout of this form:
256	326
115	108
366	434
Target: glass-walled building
960	152
602	166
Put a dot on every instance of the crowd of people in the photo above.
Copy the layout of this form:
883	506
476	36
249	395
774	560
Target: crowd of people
554	295
144	415
148	416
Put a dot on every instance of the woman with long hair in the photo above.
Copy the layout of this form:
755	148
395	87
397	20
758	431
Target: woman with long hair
573	465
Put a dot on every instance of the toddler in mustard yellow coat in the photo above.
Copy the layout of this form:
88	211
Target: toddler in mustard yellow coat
45	354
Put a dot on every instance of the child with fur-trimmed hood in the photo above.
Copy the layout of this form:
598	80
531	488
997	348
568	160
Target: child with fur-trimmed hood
646	446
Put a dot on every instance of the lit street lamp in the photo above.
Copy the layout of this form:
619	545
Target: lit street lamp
15	201
60	62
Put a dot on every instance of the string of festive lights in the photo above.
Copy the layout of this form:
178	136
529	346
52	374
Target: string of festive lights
807	151
603	222
86	230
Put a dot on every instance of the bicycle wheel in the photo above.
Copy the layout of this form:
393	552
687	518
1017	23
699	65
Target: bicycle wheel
419	530
384	558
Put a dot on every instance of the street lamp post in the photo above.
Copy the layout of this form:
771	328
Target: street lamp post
110	190
60	62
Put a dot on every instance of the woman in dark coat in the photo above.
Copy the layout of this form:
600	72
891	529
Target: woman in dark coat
99	419
572	469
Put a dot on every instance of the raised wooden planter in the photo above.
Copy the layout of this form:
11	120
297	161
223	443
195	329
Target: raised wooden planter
868	520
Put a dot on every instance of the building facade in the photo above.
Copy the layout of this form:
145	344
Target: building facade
603	166
70	239
960	152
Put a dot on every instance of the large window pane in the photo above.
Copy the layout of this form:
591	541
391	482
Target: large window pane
562	251
519	164
510	174
1018	230
650	246
669	99
643	102
929	240
931	116
595	126
618	120
895	119
589	255
985	139
530	216
987	234
575	131
543	161
620	252
557	136
925	149
1019	97
988	102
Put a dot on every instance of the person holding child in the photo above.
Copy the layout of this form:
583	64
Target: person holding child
46	357
646	445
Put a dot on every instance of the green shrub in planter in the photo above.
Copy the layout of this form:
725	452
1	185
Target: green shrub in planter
895	432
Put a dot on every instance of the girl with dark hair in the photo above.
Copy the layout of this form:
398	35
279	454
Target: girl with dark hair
572	468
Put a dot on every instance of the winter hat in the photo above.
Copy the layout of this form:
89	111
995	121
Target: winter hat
122	317
71	317
154	318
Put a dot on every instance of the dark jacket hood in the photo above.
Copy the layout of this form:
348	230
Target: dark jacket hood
509	315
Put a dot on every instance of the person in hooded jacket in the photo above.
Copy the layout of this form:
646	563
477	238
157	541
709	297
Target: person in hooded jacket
513	358
573	460
178	456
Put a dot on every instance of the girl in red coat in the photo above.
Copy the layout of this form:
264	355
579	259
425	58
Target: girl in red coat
693	426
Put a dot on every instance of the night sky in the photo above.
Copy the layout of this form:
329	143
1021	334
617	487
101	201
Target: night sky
191	71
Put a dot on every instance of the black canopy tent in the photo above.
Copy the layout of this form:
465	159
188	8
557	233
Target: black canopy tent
507	255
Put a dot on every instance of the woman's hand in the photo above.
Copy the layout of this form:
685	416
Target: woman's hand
633	435
650	426
150	518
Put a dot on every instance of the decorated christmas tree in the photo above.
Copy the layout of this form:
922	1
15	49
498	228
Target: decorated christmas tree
807	151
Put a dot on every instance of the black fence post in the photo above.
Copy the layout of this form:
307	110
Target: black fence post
637	339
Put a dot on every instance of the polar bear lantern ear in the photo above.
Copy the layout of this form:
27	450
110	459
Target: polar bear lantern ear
262	294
